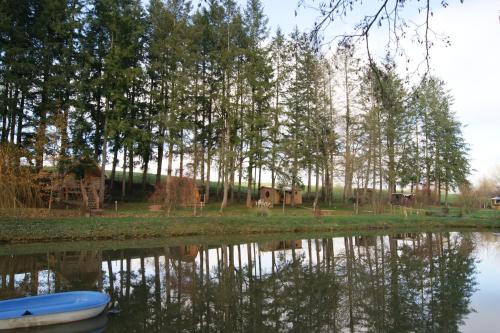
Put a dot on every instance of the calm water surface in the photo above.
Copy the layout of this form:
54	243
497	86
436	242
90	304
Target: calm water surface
419	282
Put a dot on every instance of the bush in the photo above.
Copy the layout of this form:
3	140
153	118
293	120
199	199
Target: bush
263	207
262	211
469	199
176	192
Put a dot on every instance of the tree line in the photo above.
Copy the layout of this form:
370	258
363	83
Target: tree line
211	89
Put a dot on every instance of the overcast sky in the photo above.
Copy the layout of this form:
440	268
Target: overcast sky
470	66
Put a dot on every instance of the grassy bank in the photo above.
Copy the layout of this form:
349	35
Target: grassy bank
137	224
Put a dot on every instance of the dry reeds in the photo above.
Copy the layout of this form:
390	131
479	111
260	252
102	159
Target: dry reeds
17	182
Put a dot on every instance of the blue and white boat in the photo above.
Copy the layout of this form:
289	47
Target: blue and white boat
51	309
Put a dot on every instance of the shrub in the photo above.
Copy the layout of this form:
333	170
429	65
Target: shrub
263	207
176	192
469	199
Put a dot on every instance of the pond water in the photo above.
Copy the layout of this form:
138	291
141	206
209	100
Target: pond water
413	282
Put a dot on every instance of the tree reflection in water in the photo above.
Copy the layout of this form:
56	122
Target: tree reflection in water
397	283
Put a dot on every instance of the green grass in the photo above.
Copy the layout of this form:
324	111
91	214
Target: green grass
236	223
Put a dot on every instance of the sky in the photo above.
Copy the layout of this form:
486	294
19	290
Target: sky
470	66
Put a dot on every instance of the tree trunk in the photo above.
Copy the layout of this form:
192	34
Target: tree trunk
161	146
3	137
249	184
170	158
13	113
124	171
207	181
20	117
145	173
63	130
240	170
224	167
446	189
347	157
181	156
41	137
316	196
219	179
104	156
209	154
260	177
116	148
309	176
130	168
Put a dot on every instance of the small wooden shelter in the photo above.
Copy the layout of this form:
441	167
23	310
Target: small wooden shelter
297	197
86	190
271	195
276	197
79	186
280	245
495	203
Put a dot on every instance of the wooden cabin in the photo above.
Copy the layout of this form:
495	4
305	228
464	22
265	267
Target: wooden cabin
271	195
495	203
297	198
280	245
276	197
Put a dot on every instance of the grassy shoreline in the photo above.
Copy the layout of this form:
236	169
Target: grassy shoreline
139	227
209	241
